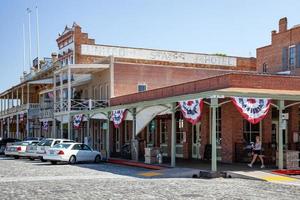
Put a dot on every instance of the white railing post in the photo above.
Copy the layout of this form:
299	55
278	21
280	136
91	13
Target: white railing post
90	104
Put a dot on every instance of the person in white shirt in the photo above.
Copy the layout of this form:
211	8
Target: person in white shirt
257	152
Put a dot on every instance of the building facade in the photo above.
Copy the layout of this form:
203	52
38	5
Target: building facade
91	80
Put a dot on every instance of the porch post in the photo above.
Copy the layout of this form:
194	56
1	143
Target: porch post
22	95
135	143
280	134
173	136
61	92
108	136
17	129
61	127
69	89
8	133
69	126
214	105
53	134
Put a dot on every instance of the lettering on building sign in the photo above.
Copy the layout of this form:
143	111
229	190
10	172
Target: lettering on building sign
149	54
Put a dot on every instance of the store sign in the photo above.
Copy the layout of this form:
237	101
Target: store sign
159	55
45	125
252	109
117	116
191	110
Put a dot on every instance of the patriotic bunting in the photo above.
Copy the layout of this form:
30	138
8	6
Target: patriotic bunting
77	120
45	125
252	109
117	116
191	110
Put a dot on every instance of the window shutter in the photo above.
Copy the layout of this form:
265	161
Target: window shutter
298	55
285	58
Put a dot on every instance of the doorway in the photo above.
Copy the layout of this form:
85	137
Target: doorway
196	141
117	139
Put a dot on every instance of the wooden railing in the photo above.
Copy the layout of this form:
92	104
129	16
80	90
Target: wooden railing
80	104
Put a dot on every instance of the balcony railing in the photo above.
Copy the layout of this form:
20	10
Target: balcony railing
46	110
80	104
21	108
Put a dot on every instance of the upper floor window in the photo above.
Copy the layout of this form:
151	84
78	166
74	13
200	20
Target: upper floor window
292	56
142	87
265	68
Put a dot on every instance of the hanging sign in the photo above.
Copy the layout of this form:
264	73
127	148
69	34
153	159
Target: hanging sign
191	110
45	125
77	120
117	116
252	109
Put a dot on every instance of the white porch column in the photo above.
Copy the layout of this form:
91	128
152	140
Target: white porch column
135	142
69	89
69	126
8	123
53	134
280	134
173	136
214	105
61	127
61	92
22	95
2	131
108	136
17	97
17	129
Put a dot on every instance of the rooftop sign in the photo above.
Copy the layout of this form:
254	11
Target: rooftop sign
159	55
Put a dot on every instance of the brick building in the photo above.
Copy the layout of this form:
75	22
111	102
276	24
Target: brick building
95	79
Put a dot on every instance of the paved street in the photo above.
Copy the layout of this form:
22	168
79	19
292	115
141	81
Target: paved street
24	179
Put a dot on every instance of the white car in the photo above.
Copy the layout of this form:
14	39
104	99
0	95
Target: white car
44	145
72	153
18	149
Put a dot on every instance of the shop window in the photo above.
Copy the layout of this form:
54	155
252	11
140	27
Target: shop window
250	131
179	131
151	132
163	131
127	130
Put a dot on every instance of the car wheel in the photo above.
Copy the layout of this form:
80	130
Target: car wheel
53	162
31	158
16	157
43	160
72	160
97	159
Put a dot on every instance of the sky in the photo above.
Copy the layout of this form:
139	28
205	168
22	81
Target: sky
231	27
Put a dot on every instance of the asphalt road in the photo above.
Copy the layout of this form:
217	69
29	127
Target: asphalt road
24	179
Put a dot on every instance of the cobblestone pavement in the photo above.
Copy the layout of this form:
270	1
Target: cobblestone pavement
24	179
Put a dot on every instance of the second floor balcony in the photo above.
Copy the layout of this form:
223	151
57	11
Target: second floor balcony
79	104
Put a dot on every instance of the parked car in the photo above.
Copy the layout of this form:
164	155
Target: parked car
18	149
72	153
30	151
6	142
33	138
44	145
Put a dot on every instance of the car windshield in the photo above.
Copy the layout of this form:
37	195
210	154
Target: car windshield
45	143
24	144
61	146
18	143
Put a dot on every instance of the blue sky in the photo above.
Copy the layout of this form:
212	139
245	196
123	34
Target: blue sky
233	27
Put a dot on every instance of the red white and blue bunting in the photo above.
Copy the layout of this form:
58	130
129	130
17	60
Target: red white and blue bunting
77	120
252	109
45	125
191	110
117	116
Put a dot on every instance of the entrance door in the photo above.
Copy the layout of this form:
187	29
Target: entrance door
196	141
117	140
274	135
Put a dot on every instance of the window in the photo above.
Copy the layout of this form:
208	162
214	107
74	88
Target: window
142	87
265	68
107	92
127	139
164	131
85	147
292	56
179	128
71	60
76	147
151	132
250	131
